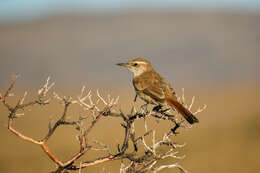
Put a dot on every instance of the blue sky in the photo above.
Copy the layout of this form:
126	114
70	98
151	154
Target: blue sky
22	9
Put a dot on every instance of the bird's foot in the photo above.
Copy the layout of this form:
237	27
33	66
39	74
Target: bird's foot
159	109
144	108
165	110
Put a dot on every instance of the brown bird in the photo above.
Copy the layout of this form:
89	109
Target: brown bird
153	88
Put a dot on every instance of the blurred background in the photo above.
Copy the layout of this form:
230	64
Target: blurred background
210	48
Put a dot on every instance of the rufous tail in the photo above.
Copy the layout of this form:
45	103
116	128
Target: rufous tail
182	110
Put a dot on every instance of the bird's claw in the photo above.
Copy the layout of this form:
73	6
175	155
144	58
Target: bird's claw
157	108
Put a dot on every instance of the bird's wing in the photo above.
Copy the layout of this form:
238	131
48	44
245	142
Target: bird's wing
149	84
155	91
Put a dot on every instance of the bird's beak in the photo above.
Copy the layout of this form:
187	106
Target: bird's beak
123	64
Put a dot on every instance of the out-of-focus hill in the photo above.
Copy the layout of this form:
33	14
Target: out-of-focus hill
185	47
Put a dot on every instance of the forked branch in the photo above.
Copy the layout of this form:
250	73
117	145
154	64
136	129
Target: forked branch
142	157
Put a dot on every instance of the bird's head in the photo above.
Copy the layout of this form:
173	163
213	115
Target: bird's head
138	66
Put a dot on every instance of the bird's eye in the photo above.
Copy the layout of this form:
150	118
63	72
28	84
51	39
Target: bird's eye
135	64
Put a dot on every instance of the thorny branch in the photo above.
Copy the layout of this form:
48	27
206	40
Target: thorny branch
140	158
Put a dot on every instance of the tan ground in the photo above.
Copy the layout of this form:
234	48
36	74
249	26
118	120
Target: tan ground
227	139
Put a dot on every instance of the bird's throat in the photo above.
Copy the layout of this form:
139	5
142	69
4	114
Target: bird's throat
138	72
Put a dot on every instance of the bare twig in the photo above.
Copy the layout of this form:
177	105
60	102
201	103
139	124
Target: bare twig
137	161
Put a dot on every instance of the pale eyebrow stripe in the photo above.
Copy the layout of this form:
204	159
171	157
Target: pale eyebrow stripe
140	62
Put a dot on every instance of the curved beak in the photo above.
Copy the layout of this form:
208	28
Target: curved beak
123	64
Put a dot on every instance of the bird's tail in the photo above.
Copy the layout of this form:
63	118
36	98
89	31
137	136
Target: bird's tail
182	110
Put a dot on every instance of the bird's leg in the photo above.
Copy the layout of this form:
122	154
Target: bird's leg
144	107
135	98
